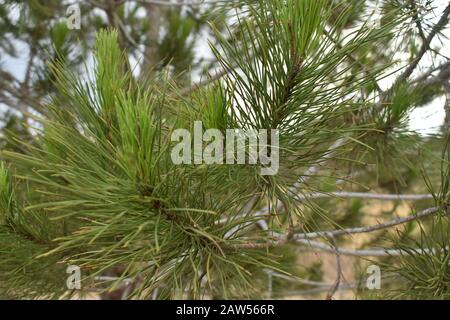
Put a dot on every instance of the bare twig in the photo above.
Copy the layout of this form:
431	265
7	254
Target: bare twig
389	224
424	77
305	238
218	74
425	46
417	21
364	195
342	195
338	270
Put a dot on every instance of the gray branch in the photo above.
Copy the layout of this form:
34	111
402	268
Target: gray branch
425	46
348	231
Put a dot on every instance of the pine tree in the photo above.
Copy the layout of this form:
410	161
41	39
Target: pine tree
94	184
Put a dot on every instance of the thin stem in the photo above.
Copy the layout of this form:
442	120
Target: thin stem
364	195
305	238
371	252
342	194
389	224
338	270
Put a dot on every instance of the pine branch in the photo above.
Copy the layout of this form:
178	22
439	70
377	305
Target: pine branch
417	21
218	74
300	181
103	165
425	46
354	60
342	287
